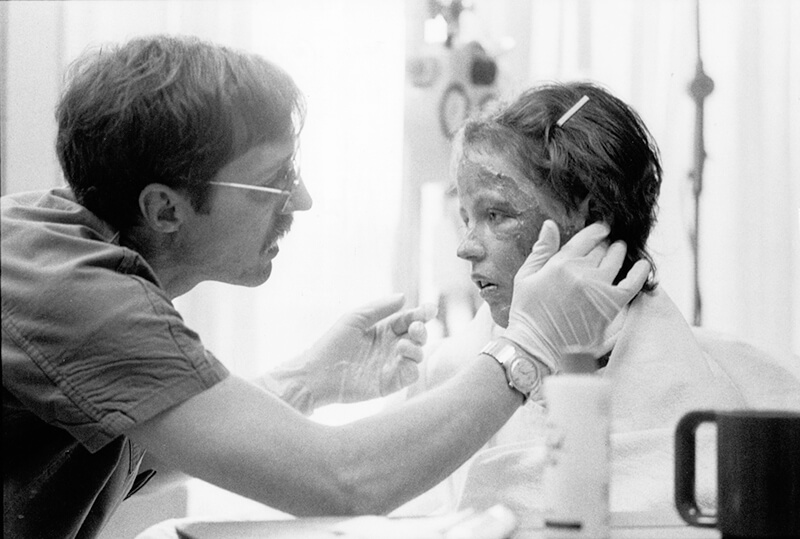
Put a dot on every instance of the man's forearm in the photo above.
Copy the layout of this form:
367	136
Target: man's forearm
243	439
165	477
408	450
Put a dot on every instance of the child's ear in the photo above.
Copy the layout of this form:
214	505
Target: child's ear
585	210
591	213
577	219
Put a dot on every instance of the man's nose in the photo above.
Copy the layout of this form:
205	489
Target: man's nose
299	200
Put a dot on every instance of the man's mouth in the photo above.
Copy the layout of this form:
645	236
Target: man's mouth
280	229
282	225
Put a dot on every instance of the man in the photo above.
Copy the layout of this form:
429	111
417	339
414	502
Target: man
180	161
575	154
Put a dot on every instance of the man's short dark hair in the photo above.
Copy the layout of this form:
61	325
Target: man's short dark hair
169	110
603	151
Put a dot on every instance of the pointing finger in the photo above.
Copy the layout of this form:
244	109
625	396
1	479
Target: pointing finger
377	310
417	332
408	350
423	313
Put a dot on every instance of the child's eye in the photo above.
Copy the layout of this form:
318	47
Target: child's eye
495	216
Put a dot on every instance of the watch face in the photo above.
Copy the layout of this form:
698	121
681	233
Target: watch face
524	374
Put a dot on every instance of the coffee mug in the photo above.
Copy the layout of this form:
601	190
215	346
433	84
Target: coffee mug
758	472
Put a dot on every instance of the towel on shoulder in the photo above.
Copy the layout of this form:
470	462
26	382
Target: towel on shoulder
660	368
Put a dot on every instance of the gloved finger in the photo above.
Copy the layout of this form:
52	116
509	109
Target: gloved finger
585	240
612	262
374	312
398	376
407	350
424	313
417	332
545	247
408	373
596	255
636	277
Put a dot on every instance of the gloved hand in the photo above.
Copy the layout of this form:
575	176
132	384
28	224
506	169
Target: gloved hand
369	353
564	299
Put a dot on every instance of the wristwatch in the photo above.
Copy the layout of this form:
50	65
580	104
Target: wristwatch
523	372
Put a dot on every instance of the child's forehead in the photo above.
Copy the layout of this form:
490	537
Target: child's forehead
490	171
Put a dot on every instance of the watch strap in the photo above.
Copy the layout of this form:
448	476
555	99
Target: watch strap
504	353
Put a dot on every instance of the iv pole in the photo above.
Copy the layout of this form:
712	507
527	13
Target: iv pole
700	87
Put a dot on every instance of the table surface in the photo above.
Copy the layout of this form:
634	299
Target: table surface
623	526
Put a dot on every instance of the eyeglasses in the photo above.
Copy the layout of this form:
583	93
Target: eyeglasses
291	174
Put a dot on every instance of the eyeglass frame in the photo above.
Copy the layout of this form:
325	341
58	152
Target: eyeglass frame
274	190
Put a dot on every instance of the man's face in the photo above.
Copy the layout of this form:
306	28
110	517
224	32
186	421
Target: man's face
237	240
503	213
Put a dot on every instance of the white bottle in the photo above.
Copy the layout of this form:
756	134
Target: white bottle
577	474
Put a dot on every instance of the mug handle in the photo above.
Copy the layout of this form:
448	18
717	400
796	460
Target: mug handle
685	447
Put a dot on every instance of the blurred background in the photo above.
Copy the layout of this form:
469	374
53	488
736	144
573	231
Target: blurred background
386	83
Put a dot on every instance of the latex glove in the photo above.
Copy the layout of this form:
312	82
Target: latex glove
369	353
564	299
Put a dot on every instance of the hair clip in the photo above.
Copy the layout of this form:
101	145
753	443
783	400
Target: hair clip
575	108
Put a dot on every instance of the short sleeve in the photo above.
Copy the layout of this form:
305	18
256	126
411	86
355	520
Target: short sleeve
95	362
92	343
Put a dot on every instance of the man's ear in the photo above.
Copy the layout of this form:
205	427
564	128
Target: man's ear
163	209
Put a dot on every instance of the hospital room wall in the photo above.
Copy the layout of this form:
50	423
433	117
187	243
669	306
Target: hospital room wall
646	53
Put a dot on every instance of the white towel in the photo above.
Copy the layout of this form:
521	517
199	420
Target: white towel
660	370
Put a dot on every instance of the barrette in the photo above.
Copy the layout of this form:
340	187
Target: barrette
575	108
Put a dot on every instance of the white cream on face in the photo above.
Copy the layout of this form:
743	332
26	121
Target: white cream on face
503	215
